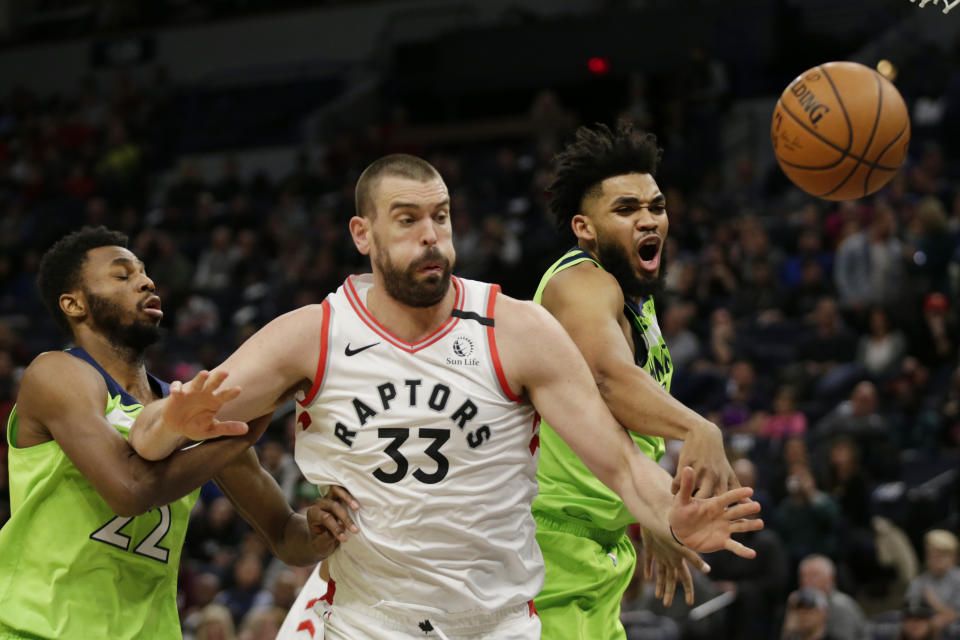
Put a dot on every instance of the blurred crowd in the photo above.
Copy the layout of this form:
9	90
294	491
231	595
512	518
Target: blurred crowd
821	337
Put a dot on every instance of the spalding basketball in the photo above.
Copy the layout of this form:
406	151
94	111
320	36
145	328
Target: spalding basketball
840	131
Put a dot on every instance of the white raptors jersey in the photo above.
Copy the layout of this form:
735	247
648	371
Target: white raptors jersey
438	451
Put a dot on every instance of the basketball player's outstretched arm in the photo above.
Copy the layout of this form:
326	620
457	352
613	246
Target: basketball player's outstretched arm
64	396
588	302
540	359
271	365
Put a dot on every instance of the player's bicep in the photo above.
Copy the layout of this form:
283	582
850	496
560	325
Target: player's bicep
68	398
278	358
589	306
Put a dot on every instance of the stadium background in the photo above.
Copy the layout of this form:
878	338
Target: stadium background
225	137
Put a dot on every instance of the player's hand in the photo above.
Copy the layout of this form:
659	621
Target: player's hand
192	407
329	520
705	525
703	451
665	560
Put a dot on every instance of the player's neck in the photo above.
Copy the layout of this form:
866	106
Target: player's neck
123	364
410	324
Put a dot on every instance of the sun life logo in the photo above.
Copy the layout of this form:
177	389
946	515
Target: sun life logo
463	346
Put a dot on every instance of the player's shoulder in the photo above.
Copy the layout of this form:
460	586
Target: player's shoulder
55	374
584	284
300	318
522	315
57	365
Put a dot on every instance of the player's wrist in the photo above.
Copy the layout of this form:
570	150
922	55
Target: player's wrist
673	534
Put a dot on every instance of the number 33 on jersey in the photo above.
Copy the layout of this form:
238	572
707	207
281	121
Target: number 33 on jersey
428	437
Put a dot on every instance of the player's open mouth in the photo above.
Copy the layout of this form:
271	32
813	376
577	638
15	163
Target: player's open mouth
649	253
152	307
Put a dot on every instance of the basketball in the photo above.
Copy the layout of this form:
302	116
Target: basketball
840	131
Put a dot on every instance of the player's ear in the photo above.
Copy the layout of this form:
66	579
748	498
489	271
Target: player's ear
360	232
582	227
73	304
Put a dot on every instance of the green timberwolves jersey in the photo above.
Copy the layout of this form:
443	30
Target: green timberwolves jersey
567	488
69	567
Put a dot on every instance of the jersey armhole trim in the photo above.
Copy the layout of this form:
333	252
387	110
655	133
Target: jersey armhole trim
492	343
322	363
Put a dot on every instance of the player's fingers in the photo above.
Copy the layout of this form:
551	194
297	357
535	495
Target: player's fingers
736	495
705	484
695	560
176	387
226	395
658	593
671	587
750	524
675	485
214	380
647	565
343	516
198	381
228	428
686	580
742	510
686	485
743	551
341	494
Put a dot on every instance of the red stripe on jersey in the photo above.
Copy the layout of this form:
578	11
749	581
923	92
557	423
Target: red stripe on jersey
410	347
491	339
533	609
322	364
307	625
331	590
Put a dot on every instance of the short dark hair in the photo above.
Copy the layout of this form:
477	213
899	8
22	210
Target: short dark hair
594	155
395	164
60	266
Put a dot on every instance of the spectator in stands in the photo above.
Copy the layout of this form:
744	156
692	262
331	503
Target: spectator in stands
869	266
215	623
806	617
845	619
759	585
826	353
881	351
807	520
917	622
785	420
860	419
239	597
939	585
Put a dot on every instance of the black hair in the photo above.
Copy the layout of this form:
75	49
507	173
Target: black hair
60	266
594	155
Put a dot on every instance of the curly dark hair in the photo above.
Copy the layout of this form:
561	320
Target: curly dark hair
60	266
594	155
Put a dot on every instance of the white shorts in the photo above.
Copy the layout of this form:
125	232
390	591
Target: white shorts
303	621
343	621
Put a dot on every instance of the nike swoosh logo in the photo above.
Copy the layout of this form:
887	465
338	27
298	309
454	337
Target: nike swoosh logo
352	352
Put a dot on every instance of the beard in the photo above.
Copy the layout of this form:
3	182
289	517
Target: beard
617	262
404	286
133	336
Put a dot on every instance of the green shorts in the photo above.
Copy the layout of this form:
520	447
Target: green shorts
588	570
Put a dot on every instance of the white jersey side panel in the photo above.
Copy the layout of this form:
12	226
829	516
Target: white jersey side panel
440	458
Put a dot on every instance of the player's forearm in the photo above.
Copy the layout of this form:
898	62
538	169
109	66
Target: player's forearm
645	489
296	547
164	481
641	405
258	498
150	437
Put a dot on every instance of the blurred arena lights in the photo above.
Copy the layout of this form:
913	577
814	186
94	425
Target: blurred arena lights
598	65
887	69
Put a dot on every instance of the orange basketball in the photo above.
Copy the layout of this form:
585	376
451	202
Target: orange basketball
840	131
